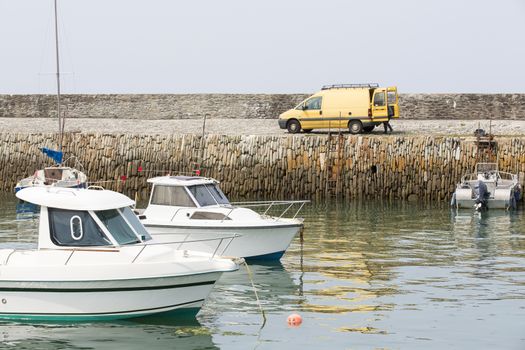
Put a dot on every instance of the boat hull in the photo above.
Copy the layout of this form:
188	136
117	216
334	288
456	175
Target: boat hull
252	243
103	300
506	198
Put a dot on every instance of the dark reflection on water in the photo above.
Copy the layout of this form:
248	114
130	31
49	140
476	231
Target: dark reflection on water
366	275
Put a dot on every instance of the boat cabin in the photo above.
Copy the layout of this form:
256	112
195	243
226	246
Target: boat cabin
84	218
186	191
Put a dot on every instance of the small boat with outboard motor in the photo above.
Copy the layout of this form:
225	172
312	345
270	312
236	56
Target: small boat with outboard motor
57	175
95	260
487	188
194	207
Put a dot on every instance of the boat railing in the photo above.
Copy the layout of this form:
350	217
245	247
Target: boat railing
269	205
220	240
76	164
500	175
71	250
227	238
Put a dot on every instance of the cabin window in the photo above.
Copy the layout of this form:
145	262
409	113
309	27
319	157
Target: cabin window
202	195
206	215
75	228
135	223
217	194
117	226
171	195
379	99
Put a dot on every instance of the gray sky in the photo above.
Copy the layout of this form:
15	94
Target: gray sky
270	46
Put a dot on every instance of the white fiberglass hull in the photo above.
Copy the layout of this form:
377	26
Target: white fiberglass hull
81	285
252	242
94	300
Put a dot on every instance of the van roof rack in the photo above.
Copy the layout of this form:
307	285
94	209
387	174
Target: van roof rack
350	86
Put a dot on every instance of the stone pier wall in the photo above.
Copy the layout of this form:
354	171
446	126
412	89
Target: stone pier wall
268	167
249	106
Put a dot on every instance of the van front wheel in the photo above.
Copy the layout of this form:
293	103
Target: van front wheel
355	127
293	126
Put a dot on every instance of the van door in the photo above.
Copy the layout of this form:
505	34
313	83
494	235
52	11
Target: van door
379	105
393	102
313	113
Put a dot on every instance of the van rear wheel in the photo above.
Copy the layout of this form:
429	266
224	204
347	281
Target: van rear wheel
355	127
293	126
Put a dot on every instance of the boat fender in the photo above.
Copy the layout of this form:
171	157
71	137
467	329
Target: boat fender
453	200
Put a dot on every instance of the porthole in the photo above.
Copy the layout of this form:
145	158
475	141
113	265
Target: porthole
75	224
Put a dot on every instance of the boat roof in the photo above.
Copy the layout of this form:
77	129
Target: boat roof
182	180
74	198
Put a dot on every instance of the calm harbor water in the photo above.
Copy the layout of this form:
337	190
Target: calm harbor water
367	275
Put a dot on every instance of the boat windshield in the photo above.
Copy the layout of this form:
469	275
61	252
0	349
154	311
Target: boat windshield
132	219
217	194
75	228
208	194
117	226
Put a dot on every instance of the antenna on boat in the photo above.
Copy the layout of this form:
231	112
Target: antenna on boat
60	124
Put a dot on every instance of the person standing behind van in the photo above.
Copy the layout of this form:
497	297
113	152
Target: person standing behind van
387	126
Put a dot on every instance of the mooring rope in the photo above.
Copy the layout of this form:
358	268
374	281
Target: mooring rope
250	276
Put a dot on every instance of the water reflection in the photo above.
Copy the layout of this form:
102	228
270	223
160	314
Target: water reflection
116	335
276	288
374	274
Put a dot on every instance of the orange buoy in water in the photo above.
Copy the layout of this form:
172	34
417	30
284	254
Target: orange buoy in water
295	320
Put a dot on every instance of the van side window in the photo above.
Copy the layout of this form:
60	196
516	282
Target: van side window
379	99
314	103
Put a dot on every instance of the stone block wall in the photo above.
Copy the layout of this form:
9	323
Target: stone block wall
269	106
267	167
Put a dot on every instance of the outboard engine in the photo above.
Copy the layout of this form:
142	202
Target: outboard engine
482	196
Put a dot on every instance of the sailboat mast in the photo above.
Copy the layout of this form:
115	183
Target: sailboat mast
58	79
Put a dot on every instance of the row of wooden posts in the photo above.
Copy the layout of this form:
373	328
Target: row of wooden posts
266	167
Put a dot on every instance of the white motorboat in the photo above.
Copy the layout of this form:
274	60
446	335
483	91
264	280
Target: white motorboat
192	207
95	260
59	176
487	187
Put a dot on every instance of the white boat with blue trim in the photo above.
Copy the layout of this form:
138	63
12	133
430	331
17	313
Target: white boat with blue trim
95	260
193	207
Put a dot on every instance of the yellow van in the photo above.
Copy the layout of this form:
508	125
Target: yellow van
358	107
